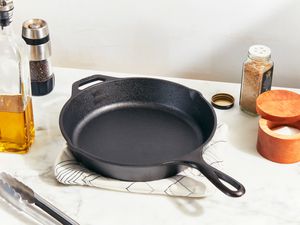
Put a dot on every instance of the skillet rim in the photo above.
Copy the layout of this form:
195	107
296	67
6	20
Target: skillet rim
87	154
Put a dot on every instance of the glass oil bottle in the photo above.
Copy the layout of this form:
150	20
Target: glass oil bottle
16	116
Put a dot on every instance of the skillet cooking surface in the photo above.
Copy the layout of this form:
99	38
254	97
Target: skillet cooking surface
137	134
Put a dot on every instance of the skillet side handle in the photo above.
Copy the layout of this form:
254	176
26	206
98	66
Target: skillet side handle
216	176
97	77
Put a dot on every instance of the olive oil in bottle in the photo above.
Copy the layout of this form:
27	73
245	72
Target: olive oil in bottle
16	124
16	117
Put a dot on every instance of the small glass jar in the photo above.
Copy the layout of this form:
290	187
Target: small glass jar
256	78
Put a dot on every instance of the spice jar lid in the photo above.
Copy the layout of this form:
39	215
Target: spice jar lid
279	106
222	101
259	52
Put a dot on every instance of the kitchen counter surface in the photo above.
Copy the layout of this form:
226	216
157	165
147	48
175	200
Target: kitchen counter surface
272	189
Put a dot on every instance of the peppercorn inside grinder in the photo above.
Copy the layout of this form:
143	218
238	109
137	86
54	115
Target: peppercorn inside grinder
279	110
35	33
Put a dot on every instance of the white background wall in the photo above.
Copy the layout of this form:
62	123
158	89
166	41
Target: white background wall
184	38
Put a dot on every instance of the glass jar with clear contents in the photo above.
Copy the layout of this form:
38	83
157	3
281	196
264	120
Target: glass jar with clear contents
256	78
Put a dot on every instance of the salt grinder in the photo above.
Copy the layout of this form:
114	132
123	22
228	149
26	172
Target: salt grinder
35	33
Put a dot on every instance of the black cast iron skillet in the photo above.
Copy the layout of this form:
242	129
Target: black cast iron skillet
141	129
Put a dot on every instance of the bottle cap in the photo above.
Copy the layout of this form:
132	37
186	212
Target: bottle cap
222	101
259	52
6	12
6	5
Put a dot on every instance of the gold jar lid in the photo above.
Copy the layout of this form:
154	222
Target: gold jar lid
222	101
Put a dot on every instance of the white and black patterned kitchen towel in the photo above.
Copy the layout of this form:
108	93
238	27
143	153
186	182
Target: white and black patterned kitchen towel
188	183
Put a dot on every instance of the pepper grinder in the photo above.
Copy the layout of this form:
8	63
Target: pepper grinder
35	33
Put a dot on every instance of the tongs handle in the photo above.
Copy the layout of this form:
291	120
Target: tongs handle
53	211
38	215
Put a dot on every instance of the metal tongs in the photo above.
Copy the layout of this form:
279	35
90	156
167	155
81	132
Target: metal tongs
25	199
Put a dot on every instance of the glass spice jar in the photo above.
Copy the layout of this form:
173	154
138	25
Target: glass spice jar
256	78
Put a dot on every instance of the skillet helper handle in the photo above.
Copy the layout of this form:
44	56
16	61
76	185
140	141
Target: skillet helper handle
216	177
90	79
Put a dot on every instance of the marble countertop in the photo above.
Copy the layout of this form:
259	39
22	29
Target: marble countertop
273	190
